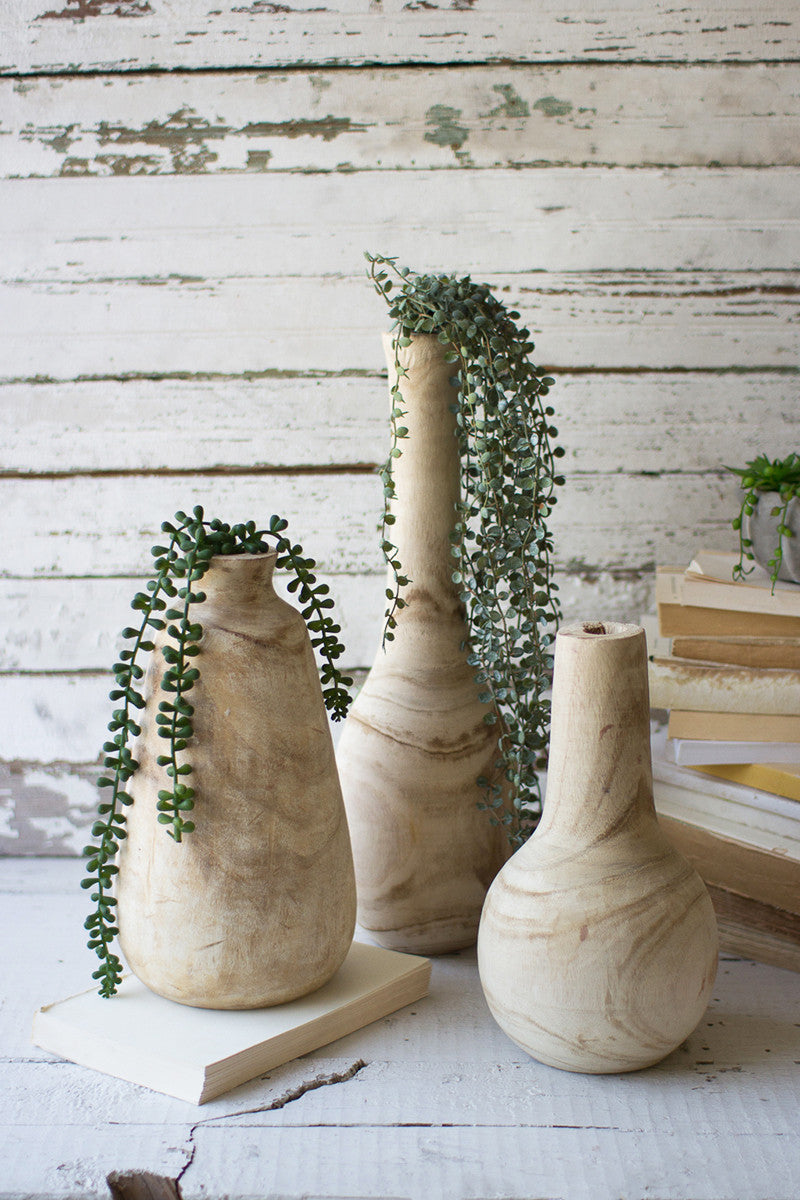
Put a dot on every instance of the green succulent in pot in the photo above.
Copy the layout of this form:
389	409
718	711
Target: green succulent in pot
768	520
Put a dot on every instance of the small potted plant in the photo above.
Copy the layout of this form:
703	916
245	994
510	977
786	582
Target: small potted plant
768	521
221	855
440	757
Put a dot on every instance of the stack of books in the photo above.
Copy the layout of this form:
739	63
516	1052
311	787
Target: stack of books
726	665
745	843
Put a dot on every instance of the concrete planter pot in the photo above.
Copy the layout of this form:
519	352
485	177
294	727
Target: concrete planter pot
762	529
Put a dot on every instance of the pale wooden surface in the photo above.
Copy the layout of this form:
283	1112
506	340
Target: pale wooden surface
598	944
445	1107
415	742
78	35
274	822
185	192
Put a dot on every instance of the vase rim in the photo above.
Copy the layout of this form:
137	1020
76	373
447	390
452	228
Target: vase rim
258	555
600	630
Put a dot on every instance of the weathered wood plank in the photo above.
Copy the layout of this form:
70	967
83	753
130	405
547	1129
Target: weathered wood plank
74	624
85	526
447	117
647	421
46	810
100	35
659	319
628	268
62	625
446	1106
199	230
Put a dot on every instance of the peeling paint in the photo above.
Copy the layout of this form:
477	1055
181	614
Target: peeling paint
75	166
129	164
183	134
444	129
46	810
551	107
258	160
79	10
59	138
326	128
513	105
184	125
263	6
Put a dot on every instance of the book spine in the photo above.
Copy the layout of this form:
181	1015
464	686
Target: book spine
686	685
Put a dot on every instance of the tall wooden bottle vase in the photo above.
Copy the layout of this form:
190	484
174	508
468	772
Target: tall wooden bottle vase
256	906
598	943
415	740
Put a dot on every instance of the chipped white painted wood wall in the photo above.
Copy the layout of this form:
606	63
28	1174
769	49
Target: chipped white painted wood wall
185	192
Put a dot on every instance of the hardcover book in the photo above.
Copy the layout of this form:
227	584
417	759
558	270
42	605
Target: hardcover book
199	1053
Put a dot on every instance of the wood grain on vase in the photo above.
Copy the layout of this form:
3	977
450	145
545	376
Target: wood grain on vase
415	742
257	906
598	943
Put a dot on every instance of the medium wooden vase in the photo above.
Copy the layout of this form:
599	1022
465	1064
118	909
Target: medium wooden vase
415	740
256	906
598	943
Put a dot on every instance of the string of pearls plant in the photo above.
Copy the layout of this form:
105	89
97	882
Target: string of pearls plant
762	474
169	602
500	543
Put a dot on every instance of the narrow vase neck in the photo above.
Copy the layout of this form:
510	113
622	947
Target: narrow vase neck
599	775
236	586
427	473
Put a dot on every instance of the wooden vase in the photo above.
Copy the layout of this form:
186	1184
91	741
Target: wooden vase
598	944
256	906
415	740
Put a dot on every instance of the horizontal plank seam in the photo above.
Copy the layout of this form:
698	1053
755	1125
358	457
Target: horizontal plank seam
180	472
538	164
255	376
342	68
17	765
587	59
200	472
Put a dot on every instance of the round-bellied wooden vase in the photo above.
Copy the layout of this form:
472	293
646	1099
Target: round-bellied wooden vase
415	740
598	943
256	906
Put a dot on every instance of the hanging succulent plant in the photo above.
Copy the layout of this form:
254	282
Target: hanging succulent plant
170	602
501	543
762	477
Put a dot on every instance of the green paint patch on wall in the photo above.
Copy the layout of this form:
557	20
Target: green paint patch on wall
513	105
444	128
551	107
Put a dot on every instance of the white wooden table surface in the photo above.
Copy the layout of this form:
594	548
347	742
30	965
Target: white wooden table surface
434	1102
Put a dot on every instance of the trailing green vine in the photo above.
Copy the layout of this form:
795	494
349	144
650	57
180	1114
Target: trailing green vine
501	543
168	603
781	475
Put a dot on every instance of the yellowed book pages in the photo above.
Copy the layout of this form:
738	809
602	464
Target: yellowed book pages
782	653
677	620
727	862
742	727
704	687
